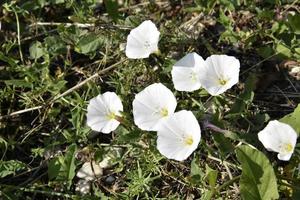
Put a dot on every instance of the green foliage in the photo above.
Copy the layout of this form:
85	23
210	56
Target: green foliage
62	168
293	119
10	167
49	47
258	179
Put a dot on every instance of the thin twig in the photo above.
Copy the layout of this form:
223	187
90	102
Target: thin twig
66	92
19	35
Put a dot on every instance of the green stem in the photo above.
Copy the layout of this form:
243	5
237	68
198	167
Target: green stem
19	36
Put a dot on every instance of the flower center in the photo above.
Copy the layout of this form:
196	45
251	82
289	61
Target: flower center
164	112
147	45
188	141
110	116
193	77
222	81
287	147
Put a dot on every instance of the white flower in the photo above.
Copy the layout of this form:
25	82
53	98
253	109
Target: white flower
179	135
152	105
142	40
219	73
83	186
89	172
185	72
279	137
102	112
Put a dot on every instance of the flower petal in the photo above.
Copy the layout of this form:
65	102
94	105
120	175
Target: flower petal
279	137
179	135
220	73
152	105
185	73
142	40
101	112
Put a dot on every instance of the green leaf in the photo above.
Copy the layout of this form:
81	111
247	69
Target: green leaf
246	97
293	119
283	50
36	50
112	9
62	168
211	176
10	167
53	168
258	180
88	43
294	22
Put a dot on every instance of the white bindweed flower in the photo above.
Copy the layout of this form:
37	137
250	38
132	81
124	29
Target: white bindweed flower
103	111
179	135
219	73
153	104
185	72
83	186
89	172
279	137
142	41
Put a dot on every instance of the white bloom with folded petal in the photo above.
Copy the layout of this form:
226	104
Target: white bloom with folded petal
90	171
152	105
179	135
142	41
102	112
185	72
219	74
279	137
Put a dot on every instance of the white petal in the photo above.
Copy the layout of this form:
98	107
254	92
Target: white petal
142	40
179	135
99	110
185	73
148	106
279	137
86	172
219	68
285	157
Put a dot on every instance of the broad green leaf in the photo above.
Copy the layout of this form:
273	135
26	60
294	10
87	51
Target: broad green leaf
293	119
88	43
258	181
10	167
294	22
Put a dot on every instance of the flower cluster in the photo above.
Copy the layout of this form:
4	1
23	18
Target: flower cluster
179	133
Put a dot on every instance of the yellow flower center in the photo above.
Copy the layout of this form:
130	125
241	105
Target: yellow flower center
110	116
164	112
193	77
188	141
288	147
222	81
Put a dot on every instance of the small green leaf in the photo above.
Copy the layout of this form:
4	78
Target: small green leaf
258	181
53	168
211	176
36	50
283	50
10	167
88	43
293	119
112	9
294	22
246	97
